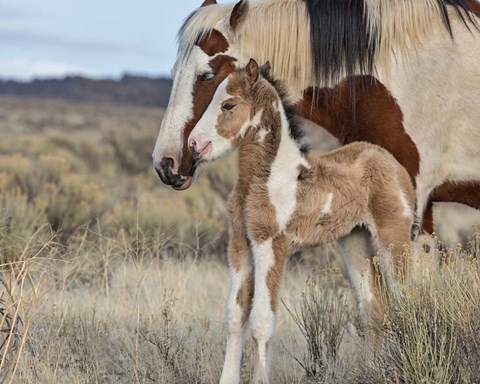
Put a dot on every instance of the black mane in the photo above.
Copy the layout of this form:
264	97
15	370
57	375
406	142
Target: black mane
296	131
342	41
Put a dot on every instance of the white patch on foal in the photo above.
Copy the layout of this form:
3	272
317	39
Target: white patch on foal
407	211
327	208
261	134
250	123
282	183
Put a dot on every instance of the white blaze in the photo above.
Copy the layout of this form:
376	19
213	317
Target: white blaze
180	107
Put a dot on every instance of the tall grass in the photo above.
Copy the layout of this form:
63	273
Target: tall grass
111	277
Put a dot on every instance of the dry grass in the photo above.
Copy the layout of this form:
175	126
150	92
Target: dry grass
116	279
109	312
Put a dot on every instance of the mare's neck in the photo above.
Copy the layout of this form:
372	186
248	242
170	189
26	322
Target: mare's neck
269	148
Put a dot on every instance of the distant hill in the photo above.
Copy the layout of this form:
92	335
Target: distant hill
133	90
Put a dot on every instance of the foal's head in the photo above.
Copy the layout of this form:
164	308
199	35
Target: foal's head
235	110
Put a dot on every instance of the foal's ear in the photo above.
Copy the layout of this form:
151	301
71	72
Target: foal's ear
208	2
265	69
238	15
252	71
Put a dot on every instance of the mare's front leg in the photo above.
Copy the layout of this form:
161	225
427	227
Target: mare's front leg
240	297
269	262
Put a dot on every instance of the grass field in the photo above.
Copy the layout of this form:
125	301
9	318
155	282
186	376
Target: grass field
118	279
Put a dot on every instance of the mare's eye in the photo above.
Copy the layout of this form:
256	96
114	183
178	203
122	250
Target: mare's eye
207	76
228	106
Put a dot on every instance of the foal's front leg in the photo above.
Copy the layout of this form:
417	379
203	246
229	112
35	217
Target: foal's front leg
239	300
269	262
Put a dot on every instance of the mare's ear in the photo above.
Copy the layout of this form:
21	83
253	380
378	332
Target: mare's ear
265	69
252	71
208	2
239	15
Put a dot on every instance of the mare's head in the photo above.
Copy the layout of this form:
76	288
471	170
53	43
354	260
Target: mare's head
206	57
237	107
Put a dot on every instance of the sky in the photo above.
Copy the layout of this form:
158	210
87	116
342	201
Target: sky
97	38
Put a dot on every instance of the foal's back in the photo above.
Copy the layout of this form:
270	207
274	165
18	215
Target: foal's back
358	184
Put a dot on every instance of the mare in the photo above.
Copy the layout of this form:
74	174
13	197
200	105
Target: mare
402	74
286	200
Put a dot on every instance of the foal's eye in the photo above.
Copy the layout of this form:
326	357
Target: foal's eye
207	76
228	106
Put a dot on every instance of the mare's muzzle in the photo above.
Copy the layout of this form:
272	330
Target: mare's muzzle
176	180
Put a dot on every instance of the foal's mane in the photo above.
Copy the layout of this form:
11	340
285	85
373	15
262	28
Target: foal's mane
350	36
294	125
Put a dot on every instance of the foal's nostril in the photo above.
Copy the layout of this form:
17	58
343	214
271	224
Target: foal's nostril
193	147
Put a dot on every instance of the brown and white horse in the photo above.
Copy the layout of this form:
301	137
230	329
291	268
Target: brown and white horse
286	200
402	74
413	85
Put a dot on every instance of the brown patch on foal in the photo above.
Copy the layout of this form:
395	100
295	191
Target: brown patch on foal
245	298
377	118
275	274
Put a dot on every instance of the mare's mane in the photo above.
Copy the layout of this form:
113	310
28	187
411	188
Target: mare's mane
349	36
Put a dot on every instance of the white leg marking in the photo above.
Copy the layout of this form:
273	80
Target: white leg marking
262	317
235	330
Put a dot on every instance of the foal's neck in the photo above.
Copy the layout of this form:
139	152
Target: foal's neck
270	148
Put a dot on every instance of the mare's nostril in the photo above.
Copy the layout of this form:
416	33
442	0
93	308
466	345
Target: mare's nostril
167	164
167	169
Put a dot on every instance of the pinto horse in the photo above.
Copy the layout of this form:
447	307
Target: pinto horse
401	74
286	200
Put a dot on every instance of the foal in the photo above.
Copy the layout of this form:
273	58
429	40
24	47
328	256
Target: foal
286	200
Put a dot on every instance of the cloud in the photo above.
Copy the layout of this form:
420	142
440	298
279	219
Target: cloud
8	13
29	39
33	39
24	69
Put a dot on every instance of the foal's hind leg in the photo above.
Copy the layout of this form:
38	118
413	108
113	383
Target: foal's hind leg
239	301
357	252
394	258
